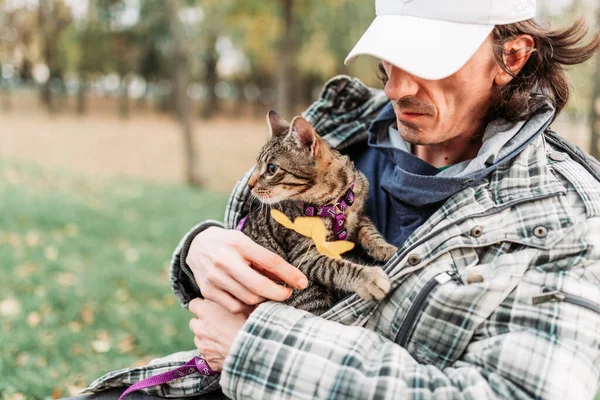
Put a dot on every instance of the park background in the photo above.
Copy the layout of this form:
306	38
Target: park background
125	122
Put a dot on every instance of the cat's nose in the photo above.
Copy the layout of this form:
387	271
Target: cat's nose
252	181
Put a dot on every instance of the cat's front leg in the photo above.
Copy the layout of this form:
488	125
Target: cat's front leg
371	240
370	283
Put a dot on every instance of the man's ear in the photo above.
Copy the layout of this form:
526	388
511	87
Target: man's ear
516	53
305	135
277	125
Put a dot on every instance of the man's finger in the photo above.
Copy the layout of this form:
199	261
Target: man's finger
240	292
273	263
195	326
256	283
195	306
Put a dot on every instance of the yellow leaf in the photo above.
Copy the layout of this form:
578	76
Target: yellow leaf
334	249
314	228
56	393
282	219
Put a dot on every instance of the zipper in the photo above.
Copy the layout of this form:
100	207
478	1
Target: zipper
555	296
419	304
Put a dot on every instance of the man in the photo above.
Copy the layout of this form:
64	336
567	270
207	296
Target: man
495	287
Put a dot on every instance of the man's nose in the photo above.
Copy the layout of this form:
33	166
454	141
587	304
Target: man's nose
400	84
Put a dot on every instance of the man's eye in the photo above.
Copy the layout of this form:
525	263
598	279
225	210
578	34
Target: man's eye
272	168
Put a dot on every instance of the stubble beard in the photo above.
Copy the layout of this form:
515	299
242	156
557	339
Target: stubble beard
411	133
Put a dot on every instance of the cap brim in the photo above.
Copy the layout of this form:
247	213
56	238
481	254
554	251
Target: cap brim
429	49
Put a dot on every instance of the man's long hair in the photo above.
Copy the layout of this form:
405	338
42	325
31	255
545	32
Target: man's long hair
543	77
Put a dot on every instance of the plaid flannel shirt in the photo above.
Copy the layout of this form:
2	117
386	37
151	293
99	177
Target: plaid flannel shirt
497	295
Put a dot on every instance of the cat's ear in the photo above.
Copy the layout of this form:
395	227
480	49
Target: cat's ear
277	125
305	135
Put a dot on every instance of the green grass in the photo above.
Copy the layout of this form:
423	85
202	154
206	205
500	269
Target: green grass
84	276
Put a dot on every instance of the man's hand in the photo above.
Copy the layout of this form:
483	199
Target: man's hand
230	270
214	330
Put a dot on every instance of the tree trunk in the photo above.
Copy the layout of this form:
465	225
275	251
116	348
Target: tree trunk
81	89
4	92
46	21
211	104
124	97
286	62
181	80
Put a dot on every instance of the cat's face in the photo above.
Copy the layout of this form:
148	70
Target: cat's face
289	165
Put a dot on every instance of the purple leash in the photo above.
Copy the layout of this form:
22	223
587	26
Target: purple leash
195	364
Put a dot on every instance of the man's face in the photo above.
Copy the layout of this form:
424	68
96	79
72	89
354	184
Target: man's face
433	112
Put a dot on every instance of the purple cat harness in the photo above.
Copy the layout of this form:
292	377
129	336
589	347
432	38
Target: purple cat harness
335	211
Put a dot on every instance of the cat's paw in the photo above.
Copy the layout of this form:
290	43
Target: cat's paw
372	284
384	253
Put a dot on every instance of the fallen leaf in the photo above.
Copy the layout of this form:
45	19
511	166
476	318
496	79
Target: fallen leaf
75	327
10	307
33	319
77	349
87	314
23	359
33	238
66	279
72	230
74	390
27	269
51	253
41	362
125	345
101	346
14	239
132	255
56	393
102	335
47	338
131	215
169	330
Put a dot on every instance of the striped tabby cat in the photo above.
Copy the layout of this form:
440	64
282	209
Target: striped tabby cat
297	170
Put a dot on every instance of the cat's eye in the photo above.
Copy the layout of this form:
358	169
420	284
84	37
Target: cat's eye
272	168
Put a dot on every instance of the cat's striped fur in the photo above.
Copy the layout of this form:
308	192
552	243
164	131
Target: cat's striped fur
297	166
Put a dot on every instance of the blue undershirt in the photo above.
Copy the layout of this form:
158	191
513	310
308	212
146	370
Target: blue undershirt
405	190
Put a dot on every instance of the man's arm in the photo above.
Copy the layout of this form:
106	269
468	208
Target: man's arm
284	353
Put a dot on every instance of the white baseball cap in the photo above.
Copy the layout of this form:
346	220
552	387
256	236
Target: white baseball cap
432	39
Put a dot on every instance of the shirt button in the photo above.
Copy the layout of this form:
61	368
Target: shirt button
474	277
557	156
414	259
540	232
476	231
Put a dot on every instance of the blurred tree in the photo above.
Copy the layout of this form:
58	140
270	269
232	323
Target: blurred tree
212	26
153	30
180	58
285	72
53	18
